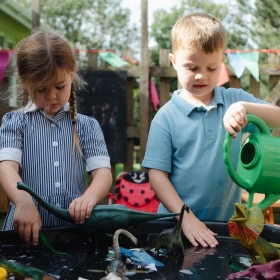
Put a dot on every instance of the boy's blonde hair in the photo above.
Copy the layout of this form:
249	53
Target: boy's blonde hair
198	30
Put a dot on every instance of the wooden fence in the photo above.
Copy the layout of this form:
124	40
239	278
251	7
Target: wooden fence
164	72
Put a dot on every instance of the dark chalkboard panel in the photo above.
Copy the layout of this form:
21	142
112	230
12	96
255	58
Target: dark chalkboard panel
104	98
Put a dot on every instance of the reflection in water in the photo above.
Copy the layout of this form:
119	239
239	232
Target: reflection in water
196	255
88	260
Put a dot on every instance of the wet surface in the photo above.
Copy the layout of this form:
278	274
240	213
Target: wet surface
198	263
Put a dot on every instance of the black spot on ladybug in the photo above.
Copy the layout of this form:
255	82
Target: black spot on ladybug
125	198
142	192
123	186
117	190
131	191
147	200
119	196
136	204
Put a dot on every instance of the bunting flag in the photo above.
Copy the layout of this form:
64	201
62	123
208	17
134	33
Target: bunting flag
5	57
224	78
236	63
113	59
154	95
251	61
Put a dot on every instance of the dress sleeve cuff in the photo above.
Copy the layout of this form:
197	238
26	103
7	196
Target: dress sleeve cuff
11	154
93	163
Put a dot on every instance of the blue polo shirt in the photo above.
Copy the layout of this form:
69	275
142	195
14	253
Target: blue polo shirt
187	142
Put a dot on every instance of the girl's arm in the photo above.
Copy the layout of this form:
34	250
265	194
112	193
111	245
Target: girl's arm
27	220
196	232
81	207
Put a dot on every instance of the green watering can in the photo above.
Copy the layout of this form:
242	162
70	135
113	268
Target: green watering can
258	164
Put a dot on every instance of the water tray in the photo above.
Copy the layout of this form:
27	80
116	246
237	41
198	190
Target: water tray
88	256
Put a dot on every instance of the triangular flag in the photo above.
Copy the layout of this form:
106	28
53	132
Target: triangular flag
251	61
112	59
5	57
154	95
224	78
236	63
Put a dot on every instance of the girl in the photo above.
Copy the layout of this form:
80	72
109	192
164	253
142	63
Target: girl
46	143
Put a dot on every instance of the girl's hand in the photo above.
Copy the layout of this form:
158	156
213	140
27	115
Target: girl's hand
235	118
197	232
27	222
81	207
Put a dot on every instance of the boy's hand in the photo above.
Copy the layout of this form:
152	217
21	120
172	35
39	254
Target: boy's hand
235	118
27	222
80	208
197	232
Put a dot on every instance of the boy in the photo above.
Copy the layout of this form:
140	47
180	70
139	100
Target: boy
184	152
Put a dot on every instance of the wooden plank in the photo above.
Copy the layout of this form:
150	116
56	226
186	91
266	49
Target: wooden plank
273	81
254	87
144	80
92	60
157	71
164	94
166	72
234	82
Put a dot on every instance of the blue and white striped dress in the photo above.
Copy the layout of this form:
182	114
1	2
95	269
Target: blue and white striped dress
44	149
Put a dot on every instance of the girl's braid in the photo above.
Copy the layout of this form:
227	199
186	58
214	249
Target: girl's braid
73	115
72	102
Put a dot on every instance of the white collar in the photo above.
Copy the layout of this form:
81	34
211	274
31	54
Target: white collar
31	107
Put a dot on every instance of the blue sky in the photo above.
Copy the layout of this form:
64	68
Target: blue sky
135	7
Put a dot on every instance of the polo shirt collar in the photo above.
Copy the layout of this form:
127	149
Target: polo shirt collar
32	107
187	108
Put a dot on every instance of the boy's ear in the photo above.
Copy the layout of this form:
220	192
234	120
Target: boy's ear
173	60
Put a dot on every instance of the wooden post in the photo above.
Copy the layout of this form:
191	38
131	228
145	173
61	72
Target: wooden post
164	82
254	87
144	80
92	60
35	14
273	80
234	82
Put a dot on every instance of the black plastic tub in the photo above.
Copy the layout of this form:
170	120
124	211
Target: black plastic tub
88	257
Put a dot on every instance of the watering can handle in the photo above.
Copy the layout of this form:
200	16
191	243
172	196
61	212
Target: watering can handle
261	125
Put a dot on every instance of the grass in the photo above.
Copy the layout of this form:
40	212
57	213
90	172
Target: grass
119	168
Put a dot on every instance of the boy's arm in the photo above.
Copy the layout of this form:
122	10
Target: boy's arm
235	117
196	232
81	207
27	220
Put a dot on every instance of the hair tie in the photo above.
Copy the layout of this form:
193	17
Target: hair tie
73	122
